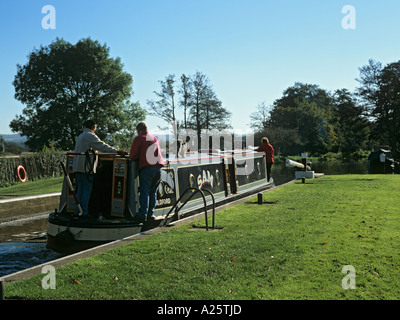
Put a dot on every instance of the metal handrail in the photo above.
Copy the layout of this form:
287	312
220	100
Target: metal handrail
213	214
175	206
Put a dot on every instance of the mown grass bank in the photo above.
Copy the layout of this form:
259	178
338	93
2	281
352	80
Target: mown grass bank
31	188
294	246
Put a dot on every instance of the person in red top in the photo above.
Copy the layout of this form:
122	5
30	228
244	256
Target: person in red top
147	151
269	154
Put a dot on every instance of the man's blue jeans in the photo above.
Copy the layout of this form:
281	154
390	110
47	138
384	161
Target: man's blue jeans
85	186
149	179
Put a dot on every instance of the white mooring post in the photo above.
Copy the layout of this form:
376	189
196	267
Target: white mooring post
305	172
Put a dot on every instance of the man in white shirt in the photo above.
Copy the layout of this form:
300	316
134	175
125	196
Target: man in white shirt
84	166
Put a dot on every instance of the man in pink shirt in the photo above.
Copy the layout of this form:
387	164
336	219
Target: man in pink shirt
147	151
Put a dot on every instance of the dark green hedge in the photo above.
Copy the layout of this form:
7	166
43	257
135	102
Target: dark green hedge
37	166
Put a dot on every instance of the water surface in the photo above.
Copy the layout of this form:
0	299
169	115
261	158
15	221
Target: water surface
17	256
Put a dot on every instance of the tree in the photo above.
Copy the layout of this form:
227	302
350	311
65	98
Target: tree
314	127
165	107
206	111
380	93
62	85
202	110
185	90
306	111
284	140
259	120
123	137
351	125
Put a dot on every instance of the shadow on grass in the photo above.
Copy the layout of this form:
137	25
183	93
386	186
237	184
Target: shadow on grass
264	202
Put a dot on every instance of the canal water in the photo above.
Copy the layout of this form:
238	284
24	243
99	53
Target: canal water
23	244
17	256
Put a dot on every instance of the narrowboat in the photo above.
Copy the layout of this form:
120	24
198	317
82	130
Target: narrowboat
189	185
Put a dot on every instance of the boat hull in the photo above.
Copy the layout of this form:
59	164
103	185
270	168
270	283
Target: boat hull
67	234
114	201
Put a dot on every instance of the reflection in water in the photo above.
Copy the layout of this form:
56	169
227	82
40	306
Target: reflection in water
17	226
281	174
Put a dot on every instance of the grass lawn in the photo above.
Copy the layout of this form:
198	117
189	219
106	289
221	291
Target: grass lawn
30	188
294	246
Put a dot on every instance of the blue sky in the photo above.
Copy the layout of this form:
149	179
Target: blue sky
251	50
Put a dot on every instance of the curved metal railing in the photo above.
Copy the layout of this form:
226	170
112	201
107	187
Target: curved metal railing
175	207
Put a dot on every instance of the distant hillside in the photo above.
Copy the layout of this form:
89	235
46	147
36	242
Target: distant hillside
13	138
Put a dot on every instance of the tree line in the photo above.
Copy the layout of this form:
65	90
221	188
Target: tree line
310	119
64	84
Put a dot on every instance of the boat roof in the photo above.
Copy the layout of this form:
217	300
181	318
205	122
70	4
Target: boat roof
211	155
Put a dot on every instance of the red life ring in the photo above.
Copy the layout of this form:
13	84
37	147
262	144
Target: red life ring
21	177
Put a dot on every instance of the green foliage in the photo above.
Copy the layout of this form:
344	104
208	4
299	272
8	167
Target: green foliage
331	156
37	165
50	148
379	91
352	127
310	119
122	138
62	85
